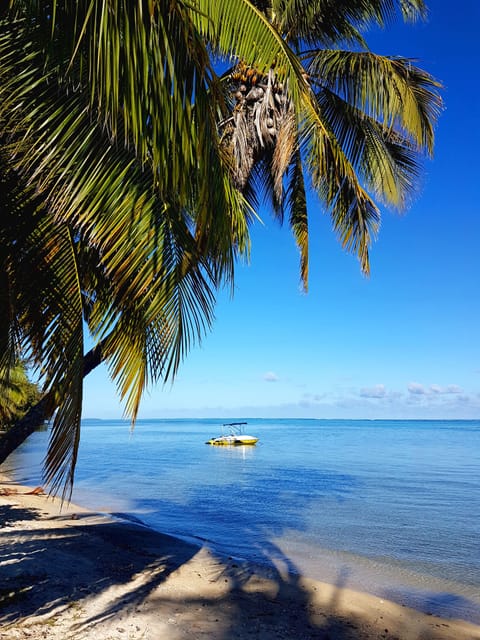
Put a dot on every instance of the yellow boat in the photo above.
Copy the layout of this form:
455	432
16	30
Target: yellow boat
235	438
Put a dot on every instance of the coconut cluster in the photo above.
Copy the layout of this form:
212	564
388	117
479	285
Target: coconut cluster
251	87
261	113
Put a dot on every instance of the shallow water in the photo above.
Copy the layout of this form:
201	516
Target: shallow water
391	507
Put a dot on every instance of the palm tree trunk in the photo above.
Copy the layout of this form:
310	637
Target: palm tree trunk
43	410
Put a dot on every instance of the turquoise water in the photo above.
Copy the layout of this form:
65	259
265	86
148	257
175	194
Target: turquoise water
390	507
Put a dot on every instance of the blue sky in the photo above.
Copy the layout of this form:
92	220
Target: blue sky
401	344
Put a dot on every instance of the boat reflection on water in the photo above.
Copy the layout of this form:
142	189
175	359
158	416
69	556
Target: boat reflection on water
237	452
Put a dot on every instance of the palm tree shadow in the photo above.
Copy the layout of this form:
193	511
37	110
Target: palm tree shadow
10	515
50	569
56	567
47	570
264	601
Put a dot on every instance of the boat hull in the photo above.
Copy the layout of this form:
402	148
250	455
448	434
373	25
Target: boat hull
232	441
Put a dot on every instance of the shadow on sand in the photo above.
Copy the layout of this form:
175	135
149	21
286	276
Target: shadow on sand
54	565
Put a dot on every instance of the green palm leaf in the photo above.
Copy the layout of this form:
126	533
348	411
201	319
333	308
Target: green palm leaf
297	205
392	91
388	164
40	268
330	22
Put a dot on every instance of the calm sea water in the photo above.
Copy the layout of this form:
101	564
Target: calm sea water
390	507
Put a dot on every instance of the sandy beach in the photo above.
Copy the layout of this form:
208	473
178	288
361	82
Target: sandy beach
68	573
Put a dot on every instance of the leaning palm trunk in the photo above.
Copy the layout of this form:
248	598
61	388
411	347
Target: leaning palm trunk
23	428
42	411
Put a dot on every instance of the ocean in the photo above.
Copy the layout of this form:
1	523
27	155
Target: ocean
387	507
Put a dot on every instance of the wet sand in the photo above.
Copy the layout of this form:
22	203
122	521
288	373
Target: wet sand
69	573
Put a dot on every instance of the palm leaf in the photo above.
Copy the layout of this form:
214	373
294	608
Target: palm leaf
297	205
46	315
388	164
354	215
237	29
330	22
392	91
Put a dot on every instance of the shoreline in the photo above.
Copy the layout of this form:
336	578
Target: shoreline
73	573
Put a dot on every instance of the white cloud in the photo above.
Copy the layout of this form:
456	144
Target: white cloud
435	388
417	389
270	376
377	391
451	388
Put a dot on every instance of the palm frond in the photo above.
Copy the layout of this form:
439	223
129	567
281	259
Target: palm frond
159	251
284	149
237	29
392	91
116	209
46	313
388	164
334	22
354	215
10	227
297	206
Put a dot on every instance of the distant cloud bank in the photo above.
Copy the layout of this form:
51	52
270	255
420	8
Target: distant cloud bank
434	389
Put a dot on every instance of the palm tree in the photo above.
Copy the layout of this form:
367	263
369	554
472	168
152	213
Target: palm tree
359	135
107	236
133	168
17	393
